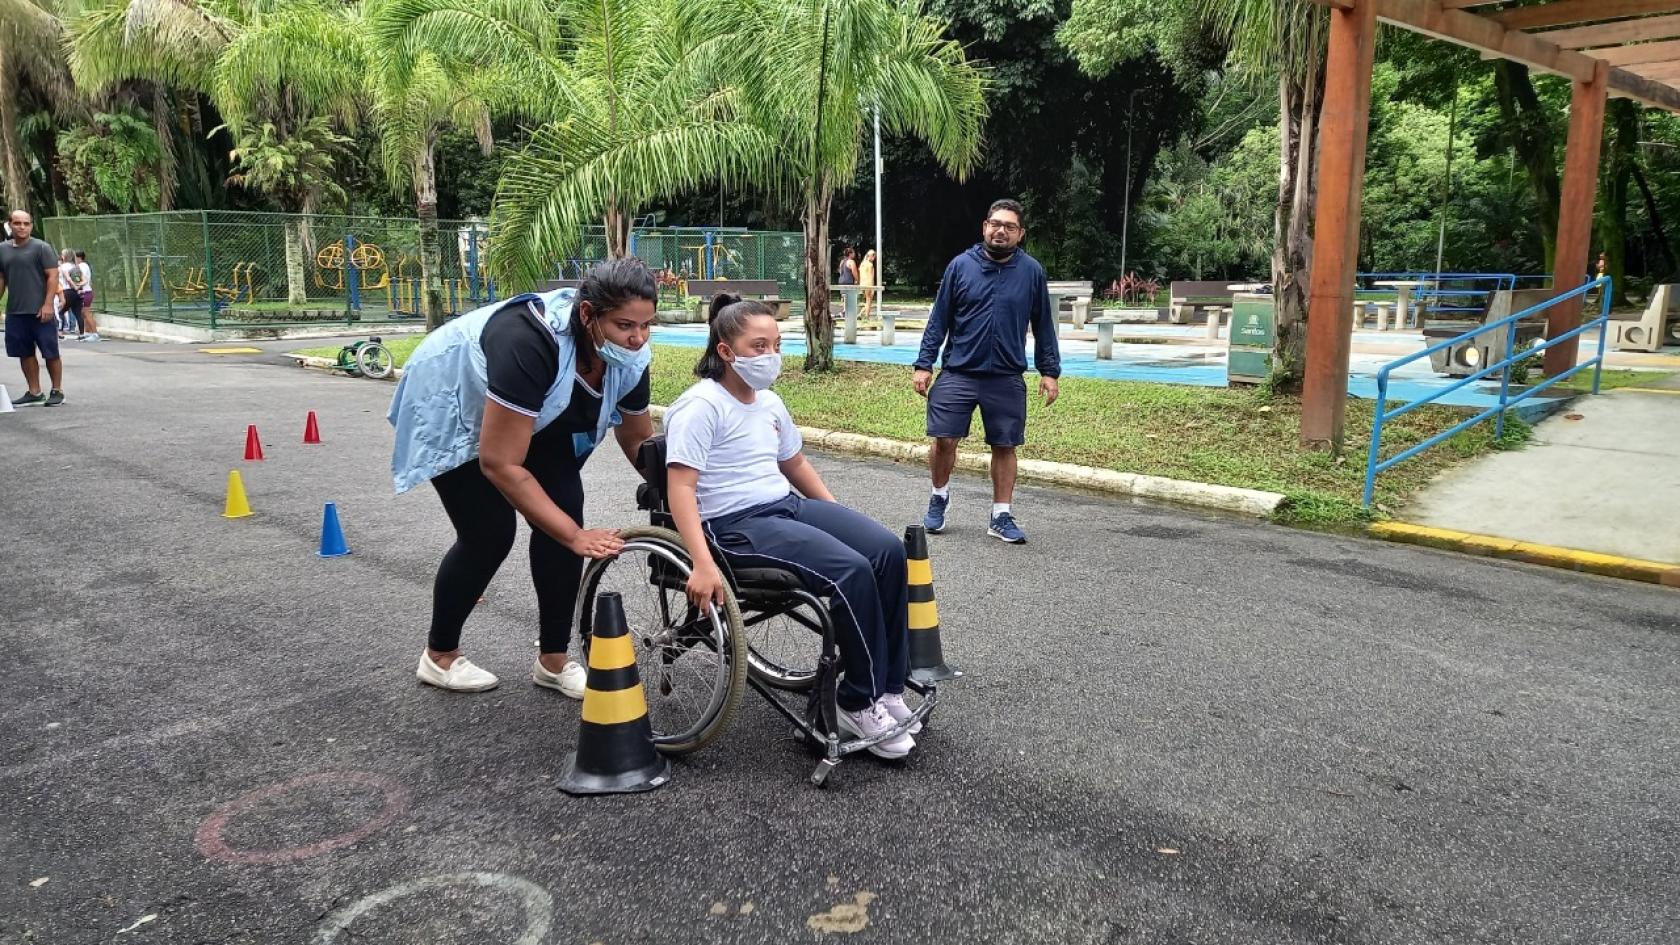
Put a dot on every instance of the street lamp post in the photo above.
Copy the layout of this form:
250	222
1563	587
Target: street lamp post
1126	214
880	257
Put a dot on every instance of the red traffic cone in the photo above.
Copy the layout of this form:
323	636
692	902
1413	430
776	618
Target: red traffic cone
253	446
311	430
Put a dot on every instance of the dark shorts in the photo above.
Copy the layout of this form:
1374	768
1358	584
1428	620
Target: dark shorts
27	333
1002	399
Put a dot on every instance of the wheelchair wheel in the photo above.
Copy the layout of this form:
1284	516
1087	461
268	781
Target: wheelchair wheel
783	644
692	665
375	361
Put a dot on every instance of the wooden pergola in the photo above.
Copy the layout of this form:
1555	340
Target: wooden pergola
1623	48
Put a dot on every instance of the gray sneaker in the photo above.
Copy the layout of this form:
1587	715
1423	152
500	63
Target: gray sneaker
30	400
55	398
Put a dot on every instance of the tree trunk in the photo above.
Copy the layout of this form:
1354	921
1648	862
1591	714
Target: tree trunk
1532	133
295	287
1618	170
819	320
12	165
163	125
425	198
618	231
1298	108
1671	267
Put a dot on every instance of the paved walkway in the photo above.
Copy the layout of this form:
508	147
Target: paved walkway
1175	728
1604	477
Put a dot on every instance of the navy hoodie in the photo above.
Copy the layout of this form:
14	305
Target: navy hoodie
982	313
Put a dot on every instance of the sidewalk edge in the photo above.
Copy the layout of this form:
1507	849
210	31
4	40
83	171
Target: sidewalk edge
1569	559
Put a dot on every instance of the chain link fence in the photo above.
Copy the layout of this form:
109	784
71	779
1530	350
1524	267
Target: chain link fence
222	269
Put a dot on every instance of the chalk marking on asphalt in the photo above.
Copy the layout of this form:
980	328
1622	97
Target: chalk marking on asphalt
38	883
847	917
213	846
209	723
151	917
538	904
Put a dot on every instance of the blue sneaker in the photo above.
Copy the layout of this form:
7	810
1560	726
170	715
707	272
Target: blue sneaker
1004	529
934	520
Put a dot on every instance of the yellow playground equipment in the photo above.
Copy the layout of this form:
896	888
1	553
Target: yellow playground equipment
402	291
365	258
192	287
248	289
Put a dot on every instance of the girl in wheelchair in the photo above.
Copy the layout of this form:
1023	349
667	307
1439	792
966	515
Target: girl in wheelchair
734	463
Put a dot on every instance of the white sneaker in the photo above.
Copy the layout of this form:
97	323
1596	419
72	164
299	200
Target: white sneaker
867	723
570	681
461	676
893	702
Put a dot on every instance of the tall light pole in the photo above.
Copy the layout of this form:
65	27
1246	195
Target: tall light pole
880	257
1126	214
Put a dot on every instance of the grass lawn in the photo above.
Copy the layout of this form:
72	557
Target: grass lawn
1237	437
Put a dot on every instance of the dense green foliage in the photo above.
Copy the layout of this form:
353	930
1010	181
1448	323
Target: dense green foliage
119	105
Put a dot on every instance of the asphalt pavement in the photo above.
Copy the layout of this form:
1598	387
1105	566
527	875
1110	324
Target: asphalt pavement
1175	728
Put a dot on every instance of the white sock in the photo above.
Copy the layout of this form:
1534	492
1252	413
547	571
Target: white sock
944	492
998	507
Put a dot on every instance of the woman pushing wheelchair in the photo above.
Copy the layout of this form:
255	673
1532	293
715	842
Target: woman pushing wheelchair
739	481
499	409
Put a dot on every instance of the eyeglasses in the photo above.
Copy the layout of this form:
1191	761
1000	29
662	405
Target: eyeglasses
1003	225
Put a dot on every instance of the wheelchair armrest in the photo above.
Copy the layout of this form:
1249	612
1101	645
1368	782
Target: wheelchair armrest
650	462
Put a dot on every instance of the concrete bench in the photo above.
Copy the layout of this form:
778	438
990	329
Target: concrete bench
1188	298
1105	337
1074	298
1649	330
701	292
1467	357
889	322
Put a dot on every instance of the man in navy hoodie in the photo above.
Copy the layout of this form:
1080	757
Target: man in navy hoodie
989	297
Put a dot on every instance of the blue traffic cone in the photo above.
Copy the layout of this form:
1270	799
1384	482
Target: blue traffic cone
332	534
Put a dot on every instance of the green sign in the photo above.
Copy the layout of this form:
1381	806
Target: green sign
1250	359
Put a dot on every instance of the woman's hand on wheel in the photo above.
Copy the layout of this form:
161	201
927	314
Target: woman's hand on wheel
705	584
596	543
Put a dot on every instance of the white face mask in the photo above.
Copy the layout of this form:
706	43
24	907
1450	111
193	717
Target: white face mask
759	372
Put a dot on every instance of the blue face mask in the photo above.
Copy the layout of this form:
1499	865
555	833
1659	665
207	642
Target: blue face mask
618	356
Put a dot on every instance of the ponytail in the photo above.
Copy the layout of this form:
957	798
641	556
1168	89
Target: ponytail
728	319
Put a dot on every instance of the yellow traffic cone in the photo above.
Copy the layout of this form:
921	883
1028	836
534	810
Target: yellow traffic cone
237	506
927	657
615	753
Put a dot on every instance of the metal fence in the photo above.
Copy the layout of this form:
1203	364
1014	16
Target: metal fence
220	269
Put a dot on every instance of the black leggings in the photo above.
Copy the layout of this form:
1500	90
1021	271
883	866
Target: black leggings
485	524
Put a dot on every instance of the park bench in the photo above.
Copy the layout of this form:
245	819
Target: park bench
1468	357
1649	330
701	291
1186	298
1073	297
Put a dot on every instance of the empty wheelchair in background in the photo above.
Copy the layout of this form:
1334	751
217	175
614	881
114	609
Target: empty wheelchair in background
770	633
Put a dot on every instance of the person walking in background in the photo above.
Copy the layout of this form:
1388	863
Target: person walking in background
990	296
866	278
29	277
90	325
848	267
70	309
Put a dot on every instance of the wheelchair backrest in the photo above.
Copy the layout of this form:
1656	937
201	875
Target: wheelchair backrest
650	462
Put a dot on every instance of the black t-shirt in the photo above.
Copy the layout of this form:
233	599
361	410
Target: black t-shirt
522	361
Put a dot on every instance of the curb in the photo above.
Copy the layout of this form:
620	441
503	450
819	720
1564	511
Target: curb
1569	559
1231	499
331	364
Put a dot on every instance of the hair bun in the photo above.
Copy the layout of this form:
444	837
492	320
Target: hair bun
718	302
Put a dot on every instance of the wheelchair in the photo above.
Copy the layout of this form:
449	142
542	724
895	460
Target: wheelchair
770	634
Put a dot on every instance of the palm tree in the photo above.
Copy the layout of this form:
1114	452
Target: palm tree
298	168
818	70
171	45
30	58
628	99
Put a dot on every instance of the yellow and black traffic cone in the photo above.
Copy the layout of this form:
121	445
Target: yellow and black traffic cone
927	659
615	753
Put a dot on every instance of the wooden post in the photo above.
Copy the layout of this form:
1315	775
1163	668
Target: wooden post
1341	177
1575	214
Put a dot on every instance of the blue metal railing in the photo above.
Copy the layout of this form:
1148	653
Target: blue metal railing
1506	400
1445	292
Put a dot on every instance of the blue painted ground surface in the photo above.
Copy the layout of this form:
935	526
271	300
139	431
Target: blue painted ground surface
1192	365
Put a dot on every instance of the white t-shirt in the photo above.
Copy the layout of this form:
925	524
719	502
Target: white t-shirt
735	446
67	276
87	276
